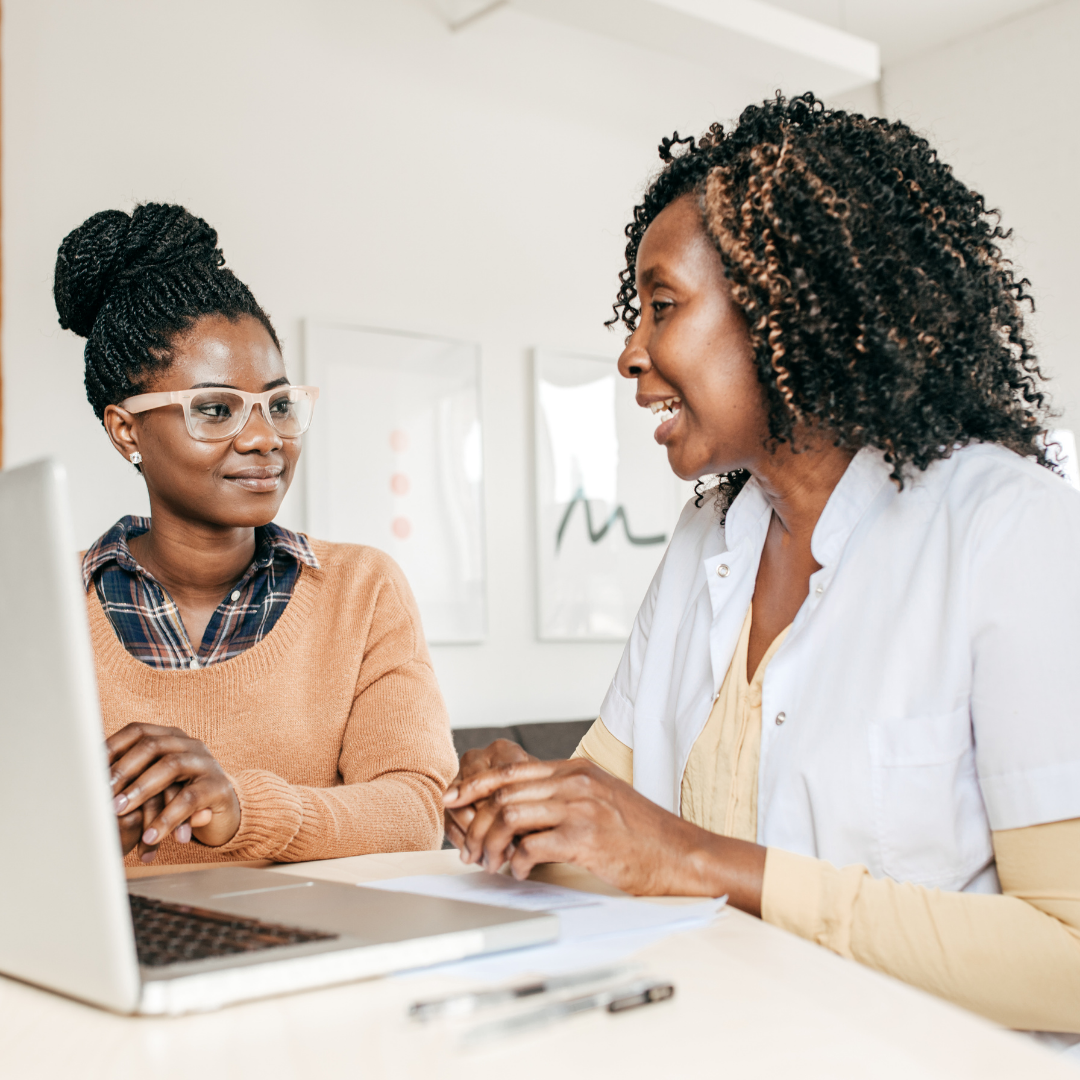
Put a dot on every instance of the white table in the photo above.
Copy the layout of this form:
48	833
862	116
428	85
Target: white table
751	1001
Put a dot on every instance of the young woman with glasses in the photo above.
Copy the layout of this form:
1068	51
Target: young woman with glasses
265	695
850	699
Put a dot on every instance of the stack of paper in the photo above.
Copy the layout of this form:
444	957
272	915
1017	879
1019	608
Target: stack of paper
594	929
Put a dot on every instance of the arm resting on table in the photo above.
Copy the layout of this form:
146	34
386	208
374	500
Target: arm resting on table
1014	958
396	759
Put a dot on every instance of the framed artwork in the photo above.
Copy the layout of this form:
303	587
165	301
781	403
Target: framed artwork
606	499
394	459
1061	447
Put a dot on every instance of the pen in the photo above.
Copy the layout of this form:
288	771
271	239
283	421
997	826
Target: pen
618	999
463	1004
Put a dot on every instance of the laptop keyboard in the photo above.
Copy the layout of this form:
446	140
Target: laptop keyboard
176	933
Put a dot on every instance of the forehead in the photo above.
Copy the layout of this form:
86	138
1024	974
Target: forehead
674	236
224	352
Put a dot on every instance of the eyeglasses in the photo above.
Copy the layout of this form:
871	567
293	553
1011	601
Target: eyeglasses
216	413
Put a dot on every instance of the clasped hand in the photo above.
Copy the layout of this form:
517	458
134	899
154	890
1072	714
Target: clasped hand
506	806
165	782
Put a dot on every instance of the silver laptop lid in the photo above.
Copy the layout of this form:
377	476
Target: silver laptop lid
65	922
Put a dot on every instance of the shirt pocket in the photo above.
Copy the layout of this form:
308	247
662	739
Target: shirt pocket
930	819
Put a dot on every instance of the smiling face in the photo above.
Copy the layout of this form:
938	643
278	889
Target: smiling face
237	482
691	354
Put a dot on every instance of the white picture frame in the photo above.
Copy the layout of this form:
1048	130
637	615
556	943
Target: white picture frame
1061	448
606	498
394	460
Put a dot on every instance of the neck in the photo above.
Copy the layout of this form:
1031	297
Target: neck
797	485
194	559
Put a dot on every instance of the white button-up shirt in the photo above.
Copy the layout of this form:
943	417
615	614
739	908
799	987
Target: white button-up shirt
929	688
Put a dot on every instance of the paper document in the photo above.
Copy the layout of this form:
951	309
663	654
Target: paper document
593	929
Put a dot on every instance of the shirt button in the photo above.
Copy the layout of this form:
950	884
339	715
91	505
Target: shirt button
819	590
723	570
236	594
780	718
194	665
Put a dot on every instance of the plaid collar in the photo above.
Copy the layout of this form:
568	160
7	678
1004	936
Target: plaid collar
270	540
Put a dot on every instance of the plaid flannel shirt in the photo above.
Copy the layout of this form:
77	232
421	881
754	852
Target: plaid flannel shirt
146	618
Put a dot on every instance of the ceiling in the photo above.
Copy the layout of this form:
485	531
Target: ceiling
834	45
761	46
904	29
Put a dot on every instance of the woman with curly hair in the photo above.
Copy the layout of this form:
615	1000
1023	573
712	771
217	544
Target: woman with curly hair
265	695
850	698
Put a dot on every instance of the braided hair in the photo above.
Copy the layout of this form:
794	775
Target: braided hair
131	284
878	301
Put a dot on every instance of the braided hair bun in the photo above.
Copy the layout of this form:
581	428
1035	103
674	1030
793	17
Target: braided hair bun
130	284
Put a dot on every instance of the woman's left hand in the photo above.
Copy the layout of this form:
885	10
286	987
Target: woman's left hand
161	771
457	820
572	811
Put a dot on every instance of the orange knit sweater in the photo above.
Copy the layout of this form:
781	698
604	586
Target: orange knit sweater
332	728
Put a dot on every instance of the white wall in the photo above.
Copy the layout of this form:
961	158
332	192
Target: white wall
364	164
1000	108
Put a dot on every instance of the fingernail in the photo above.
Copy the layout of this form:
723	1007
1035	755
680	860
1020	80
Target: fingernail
450	795
119	804
183	834
149	856
149	836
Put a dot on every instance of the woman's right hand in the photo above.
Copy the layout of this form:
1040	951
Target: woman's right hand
165	782
133	825
474	762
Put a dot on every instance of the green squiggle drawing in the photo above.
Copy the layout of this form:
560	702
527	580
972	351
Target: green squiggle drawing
596	535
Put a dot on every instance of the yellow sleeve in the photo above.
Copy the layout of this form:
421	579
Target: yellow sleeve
602	748
1014	958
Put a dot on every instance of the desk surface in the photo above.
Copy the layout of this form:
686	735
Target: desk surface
752	1001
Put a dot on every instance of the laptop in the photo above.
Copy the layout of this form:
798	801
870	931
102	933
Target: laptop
172	943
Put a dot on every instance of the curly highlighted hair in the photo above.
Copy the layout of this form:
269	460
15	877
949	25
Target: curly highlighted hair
879	303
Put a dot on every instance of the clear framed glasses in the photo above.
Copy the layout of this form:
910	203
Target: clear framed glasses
216	413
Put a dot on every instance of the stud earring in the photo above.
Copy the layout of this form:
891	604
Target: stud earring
135	458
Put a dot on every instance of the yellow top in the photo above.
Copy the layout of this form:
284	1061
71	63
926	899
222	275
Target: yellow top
719	785
1015	958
